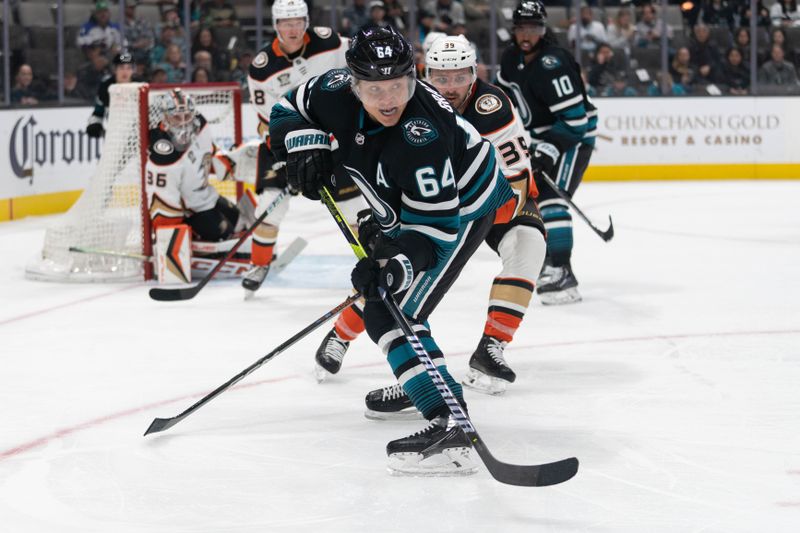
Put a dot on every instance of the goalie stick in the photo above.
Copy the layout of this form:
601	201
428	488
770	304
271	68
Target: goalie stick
162	424
281	261
521	475
606	235
187	293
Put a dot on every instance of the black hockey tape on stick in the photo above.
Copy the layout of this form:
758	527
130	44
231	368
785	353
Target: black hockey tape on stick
162	424
606	235
520	475
187	293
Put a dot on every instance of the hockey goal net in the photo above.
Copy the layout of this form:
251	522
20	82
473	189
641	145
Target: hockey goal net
111	216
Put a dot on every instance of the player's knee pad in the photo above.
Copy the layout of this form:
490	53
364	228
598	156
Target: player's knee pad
522	250
377	321
276	216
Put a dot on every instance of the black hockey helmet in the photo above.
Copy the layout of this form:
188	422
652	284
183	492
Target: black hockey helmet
123	58
379	53
530	12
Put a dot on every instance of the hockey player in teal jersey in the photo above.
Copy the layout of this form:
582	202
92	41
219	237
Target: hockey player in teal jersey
544	82
433	185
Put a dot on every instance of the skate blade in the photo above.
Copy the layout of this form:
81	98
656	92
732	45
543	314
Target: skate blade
320	374
451	462
567	296
483	383
249	295
410	413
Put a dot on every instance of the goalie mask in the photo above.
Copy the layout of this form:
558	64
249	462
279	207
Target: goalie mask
179	115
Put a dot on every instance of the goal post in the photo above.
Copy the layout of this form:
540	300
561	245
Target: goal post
112	213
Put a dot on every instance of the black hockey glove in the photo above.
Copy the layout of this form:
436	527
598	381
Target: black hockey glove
95	130
544	157
308	170
394	274
369	231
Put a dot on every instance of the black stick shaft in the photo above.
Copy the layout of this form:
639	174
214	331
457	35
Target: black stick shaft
606	235
161	424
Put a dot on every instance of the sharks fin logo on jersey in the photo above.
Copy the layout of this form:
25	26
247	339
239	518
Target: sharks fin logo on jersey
488	104
383	212
336	79
550	62
419	132
260	60
163	147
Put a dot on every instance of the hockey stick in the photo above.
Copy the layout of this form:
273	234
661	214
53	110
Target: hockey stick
276	267
606	235
522	475
187	293
162	424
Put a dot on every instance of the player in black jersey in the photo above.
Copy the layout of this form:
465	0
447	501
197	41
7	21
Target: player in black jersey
123	73
433	185
544	82
517	235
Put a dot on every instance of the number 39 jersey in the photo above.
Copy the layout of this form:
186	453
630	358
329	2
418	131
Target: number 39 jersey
176	180
273	73
549	95
493	115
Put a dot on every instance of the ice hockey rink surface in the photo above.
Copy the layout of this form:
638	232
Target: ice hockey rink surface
676	382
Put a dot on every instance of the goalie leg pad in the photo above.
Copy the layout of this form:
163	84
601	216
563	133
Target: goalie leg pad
173	254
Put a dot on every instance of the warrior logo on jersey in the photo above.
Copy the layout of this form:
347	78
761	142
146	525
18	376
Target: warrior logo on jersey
488	104
419	132
260	60
336	79
550	62
322	31
163	147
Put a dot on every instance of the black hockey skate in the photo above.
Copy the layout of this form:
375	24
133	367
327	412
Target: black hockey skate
390	403
441	449
557	285
253	279
489	373
329	355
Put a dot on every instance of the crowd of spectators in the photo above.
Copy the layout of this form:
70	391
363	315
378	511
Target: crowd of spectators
708	47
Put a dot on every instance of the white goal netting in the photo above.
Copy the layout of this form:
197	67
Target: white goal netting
111	217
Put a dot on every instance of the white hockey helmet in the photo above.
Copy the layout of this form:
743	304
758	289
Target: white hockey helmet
451	53
289	9
430	39
178	112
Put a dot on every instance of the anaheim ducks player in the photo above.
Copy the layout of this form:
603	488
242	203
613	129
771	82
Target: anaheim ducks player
297	54
181	154
517	235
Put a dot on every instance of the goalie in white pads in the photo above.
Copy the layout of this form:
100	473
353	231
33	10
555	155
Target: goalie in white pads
180	157
297	54
518	234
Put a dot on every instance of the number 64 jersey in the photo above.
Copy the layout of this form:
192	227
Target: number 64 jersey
176	180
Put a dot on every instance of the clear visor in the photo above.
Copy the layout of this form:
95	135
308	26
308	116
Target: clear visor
446	79
529	29
385	93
